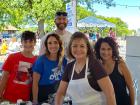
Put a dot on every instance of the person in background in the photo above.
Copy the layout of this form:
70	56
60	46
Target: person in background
61	22
13	46
98	35
84	78
106	50
112	34
16	81
48	69
0	41
4	47
93	38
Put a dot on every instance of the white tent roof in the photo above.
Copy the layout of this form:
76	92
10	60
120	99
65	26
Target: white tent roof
94	22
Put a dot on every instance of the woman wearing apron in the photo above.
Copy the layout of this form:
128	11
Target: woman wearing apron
84	78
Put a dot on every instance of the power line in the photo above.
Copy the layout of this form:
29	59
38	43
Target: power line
126	6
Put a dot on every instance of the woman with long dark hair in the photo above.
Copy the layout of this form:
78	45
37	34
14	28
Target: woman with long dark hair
106	50
48	69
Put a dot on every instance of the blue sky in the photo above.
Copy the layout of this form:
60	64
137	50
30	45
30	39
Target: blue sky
130	15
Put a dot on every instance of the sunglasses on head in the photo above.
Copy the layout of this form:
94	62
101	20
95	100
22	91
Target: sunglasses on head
61	14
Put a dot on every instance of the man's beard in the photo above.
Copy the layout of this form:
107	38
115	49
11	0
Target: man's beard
61	26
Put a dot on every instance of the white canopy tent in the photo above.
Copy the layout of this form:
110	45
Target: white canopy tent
94	22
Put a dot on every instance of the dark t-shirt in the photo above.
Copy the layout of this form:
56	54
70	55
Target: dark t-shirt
96	72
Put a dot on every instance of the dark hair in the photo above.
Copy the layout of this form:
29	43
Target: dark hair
110	41
59	41
61	13
110	28
79	35
28	35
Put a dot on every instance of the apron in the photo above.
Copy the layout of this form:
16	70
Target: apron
82	93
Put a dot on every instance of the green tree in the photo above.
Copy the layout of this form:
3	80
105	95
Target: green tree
121	27
43	11
83	12
40	11
89	3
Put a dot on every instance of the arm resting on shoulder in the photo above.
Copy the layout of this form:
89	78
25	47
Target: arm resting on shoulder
107	88
61	93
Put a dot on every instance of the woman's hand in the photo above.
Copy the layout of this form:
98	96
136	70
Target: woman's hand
61	93
107	88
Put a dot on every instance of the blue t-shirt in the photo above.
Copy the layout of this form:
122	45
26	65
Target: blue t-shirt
48	70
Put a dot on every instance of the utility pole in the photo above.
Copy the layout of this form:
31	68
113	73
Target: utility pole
74	4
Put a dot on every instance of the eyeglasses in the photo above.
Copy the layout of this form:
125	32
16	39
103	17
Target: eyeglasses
61	14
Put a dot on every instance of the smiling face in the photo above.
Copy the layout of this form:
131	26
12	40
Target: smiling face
61	22
79	48
53	45
105	51
28	45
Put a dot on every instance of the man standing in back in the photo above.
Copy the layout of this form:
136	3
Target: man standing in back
61	22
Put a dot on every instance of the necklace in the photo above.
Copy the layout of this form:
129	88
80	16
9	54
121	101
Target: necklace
79	68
